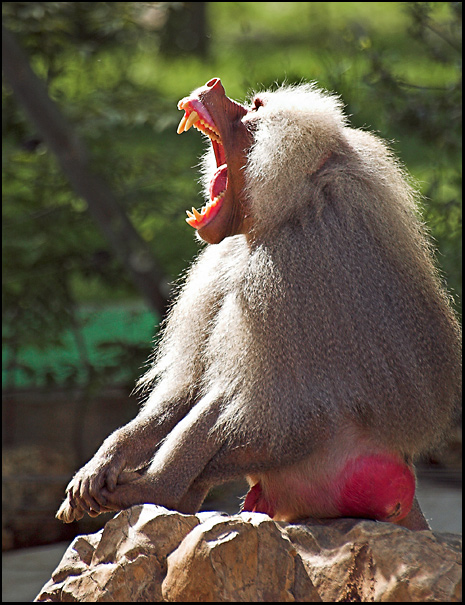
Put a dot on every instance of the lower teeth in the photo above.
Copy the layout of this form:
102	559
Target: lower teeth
199	216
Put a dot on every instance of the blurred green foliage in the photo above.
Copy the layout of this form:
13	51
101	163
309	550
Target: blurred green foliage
110	67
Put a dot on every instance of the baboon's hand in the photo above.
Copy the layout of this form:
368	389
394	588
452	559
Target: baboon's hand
84	491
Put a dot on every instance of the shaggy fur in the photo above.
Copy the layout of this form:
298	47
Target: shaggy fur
335	314
323	335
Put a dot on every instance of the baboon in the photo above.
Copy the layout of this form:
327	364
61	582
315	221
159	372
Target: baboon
312	347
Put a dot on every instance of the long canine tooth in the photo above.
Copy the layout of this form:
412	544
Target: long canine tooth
182	124
194	116
196	214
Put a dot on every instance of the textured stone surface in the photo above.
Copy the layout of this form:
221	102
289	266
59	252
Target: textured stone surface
243	558
148	553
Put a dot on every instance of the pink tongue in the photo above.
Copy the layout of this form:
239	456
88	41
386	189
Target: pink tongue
219	181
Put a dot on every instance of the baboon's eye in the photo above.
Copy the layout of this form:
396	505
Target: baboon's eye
257	103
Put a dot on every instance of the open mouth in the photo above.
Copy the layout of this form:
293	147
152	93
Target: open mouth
196	115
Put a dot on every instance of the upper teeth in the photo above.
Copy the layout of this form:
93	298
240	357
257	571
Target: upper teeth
187	121
208	130
193	119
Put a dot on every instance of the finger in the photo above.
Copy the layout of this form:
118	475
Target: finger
78	513
69	503
67	514
88	502
113	474
103	509
62	512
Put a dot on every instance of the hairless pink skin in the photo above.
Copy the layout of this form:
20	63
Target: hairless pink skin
255	502
377	487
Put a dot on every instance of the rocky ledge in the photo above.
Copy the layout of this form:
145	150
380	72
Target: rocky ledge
150	554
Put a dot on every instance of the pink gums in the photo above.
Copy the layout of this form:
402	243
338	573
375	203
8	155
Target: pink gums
377	487
190	104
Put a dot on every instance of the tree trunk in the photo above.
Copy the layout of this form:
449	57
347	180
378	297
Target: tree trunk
72	155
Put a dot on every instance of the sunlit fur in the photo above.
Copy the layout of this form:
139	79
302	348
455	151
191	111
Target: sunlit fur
320	340
332	319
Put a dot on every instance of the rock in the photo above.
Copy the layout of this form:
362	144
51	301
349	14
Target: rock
242	558
150	554
358	560
125	561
